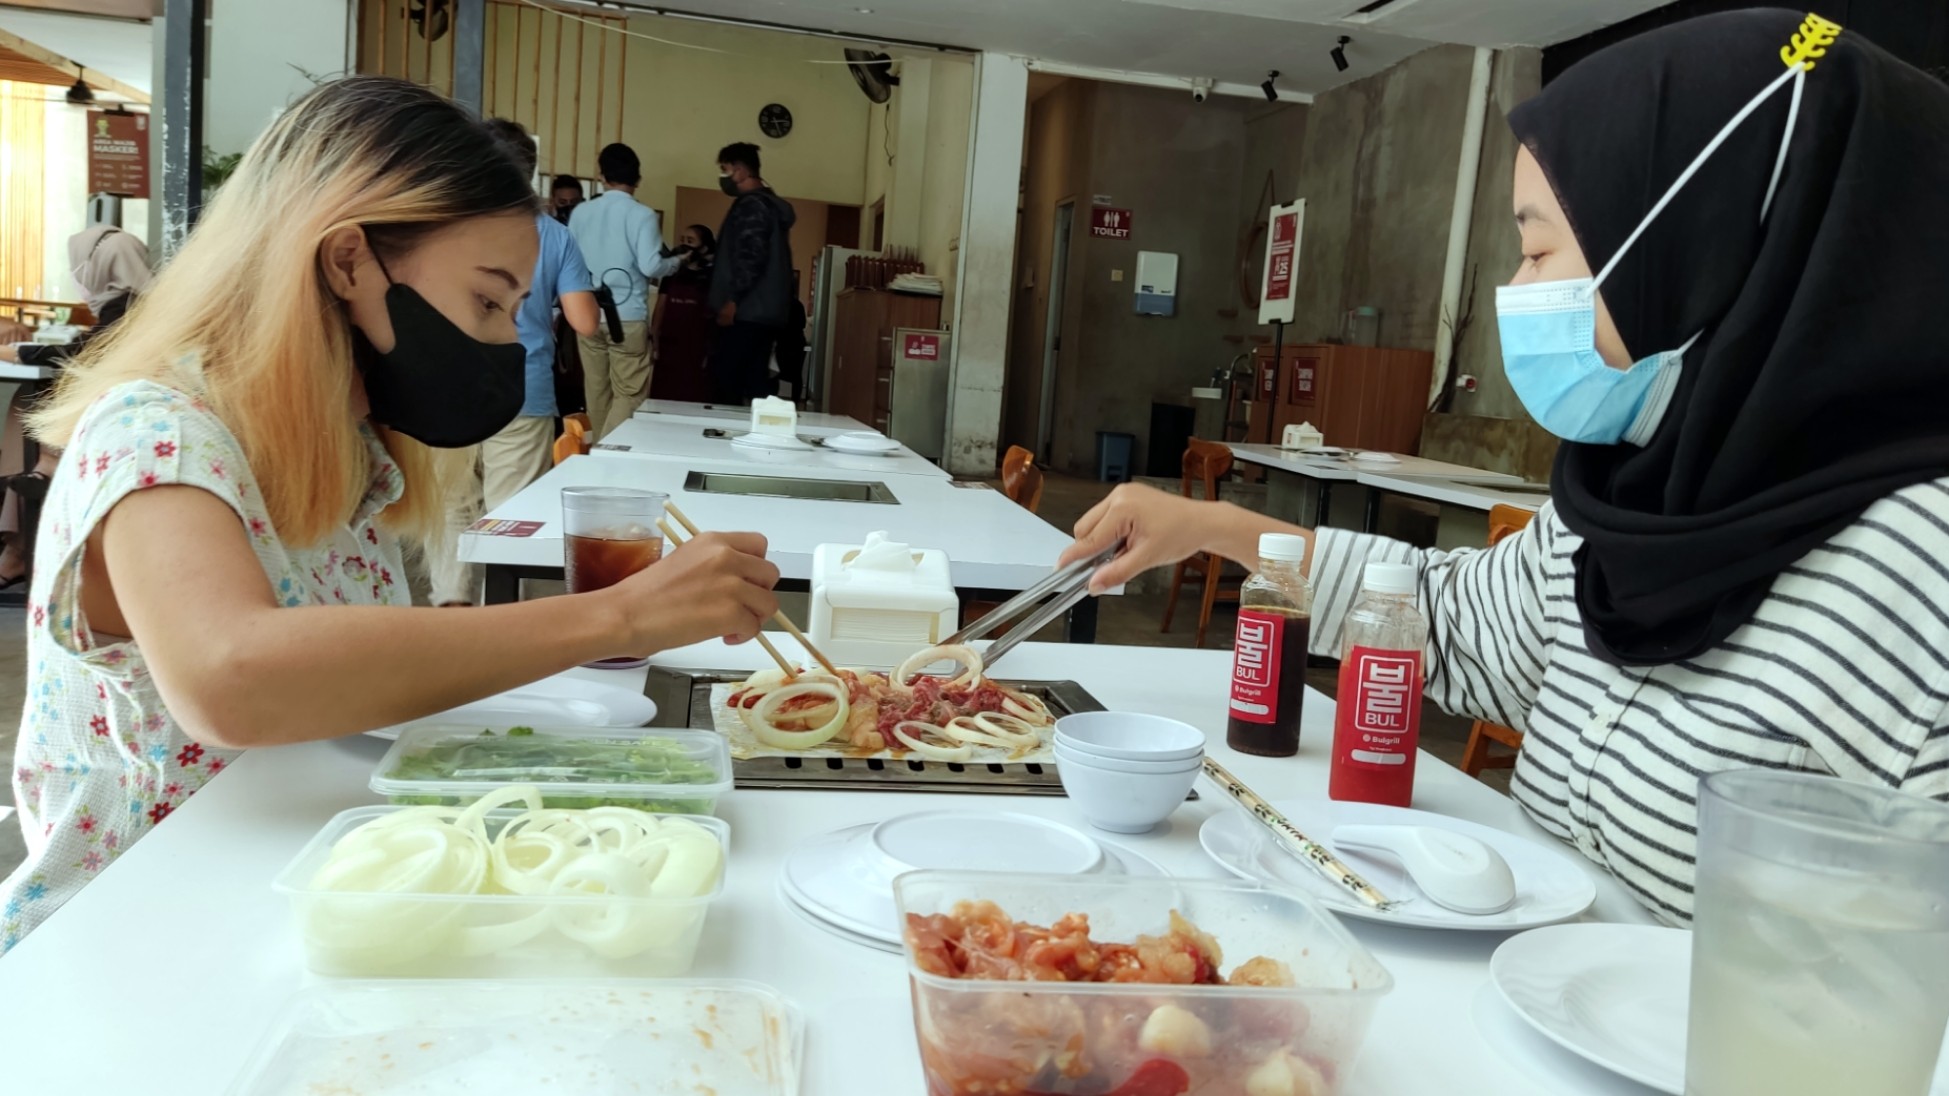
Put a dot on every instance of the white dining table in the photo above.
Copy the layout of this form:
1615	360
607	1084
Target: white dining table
991	543
816	423
1326	472
160	975
653	438
1464	505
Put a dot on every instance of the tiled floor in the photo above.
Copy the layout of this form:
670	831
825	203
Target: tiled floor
1130	620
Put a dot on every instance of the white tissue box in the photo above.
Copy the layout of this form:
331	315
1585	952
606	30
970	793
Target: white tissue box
876	603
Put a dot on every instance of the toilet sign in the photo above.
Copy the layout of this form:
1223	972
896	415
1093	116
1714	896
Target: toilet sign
1276	294
1110	222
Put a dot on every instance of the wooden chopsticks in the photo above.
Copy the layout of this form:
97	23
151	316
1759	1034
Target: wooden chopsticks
791	671
783	620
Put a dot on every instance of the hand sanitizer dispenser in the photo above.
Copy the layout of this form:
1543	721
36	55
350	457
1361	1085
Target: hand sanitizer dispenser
876	603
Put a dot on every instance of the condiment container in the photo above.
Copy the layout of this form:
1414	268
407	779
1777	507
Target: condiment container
1298	1040
463	1038
669	771
441	935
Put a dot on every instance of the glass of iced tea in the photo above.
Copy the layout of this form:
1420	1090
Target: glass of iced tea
610	534
1820	938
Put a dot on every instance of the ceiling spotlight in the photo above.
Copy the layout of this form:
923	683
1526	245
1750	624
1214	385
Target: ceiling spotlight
1271	93
864	11
81	94
1339	53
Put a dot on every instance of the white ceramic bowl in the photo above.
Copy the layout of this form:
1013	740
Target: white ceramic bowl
1067	756
1130	736
1124	802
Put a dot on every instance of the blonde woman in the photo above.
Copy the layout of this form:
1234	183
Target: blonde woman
218	566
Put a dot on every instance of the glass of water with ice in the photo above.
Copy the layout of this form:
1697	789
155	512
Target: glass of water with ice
1820	949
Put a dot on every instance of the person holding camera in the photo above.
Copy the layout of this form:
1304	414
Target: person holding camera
622	239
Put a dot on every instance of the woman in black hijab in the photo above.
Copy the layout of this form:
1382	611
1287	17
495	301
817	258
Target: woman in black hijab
1731	306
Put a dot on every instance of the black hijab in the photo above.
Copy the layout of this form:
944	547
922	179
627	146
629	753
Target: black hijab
1821	380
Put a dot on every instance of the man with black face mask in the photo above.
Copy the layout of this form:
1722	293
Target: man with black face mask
751	288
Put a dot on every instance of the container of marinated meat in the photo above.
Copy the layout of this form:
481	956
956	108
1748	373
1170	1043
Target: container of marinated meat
1246	989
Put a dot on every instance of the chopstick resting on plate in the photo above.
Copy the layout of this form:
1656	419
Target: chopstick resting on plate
791	671
1319	856
783	620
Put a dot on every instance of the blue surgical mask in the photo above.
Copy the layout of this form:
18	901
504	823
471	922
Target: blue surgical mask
1549	353
1549	330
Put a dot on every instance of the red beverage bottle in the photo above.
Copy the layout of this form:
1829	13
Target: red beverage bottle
1275	621
1377	721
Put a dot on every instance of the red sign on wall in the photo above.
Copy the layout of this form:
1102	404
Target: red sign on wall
1303	378
918	347
1111	223
118	154
1279	269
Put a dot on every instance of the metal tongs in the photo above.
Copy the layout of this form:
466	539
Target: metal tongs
1069	585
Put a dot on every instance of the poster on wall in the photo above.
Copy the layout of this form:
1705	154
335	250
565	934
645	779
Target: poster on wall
118	153
1276	287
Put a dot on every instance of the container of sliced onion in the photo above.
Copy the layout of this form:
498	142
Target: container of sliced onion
505	888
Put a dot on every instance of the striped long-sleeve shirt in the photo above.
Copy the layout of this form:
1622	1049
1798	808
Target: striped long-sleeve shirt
1843	670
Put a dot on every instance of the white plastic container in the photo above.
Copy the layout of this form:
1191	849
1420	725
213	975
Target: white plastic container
876	603
665	771
591	1038
489	935
1298	1040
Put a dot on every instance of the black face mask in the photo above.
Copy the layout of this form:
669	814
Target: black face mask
438	384
728	185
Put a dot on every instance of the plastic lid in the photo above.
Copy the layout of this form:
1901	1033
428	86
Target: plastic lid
680	771
1390	578
1282	547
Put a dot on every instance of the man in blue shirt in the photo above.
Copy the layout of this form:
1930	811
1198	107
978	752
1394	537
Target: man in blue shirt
622	240
523	450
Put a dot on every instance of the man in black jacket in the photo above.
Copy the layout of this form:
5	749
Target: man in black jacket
751	285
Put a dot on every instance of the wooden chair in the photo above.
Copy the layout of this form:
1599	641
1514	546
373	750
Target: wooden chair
1021	479
1503	520
1205	464
1022	483
575	437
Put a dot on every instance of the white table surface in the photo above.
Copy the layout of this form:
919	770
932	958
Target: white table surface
1474	496
817	423
1346	469
991	543
160	976
661	438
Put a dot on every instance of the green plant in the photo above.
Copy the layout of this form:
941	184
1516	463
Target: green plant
218	169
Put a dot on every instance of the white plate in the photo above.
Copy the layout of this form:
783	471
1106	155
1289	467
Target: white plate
1550	885
560	701
1614	994
843	881
858	442
770	441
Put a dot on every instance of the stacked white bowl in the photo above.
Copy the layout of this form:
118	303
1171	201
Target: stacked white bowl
1126	771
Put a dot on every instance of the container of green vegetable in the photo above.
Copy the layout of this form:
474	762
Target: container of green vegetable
670	771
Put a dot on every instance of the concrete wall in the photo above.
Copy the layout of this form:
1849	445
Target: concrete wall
1495	250
1055	163
944	184
257	51
1378	176
1174	164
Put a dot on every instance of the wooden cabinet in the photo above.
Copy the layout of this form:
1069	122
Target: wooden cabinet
862	348
1360	397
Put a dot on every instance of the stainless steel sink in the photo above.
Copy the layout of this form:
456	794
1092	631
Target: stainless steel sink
784	487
